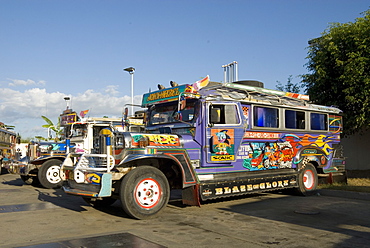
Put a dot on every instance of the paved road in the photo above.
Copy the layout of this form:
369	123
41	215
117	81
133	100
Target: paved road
37	217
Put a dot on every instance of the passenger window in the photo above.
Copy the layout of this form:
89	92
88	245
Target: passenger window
266	117
295	119
319	121
224	114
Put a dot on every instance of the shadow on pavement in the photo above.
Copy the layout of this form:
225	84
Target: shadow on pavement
338	215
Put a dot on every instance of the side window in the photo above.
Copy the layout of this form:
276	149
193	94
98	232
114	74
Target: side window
295	119
266	117
319	121
224	114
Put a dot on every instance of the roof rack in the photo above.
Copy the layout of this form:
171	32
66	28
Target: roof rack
242	92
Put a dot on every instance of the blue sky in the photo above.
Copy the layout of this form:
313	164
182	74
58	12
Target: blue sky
52	48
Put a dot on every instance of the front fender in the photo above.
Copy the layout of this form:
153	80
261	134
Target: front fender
178	157
41	160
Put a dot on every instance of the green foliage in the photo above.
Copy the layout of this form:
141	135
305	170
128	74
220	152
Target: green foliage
25	140
51	126
339	66
41	138
289	86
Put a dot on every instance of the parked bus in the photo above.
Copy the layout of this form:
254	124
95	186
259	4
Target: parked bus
211	140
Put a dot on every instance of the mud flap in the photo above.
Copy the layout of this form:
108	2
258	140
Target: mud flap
106	185
190	195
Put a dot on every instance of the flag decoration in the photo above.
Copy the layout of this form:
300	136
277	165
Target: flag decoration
83	113
201	83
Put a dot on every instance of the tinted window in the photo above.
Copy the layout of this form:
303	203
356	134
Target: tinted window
319	121
266	117
294	119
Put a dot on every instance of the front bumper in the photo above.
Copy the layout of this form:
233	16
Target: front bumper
101	189
17	167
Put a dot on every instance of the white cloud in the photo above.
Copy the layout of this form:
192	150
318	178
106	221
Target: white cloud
28	82
24	108
112	90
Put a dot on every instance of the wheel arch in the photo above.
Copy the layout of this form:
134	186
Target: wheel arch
313	161
175	166
39	162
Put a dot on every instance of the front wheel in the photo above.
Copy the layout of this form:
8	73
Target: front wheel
144	192
307	180
48	174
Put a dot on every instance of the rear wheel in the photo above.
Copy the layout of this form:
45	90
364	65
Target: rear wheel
144	192
307	180
48	174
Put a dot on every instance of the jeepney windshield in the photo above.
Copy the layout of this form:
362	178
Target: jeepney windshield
168	113
76	130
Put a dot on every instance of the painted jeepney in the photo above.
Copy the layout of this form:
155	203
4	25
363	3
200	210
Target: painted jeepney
41	165
8	141
211	140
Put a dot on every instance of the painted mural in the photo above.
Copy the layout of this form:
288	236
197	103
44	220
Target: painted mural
157	139
223	145
285	152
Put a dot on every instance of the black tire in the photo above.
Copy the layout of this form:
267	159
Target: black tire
48	174
307	180
144	192
29	180
99	203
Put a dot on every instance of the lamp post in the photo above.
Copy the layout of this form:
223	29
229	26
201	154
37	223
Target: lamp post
131	70
67	98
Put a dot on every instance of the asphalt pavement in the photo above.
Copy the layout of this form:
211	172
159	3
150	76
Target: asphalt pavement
37	217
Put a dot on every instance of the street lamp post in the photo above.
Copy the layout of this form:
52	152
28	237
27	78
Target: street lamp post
131	70
67	99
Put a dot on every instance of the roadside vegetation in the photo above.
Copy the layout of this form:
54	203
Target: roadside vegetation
353	184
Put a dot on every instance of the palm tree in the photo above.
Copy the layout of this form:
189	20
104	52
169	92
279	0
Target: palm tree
50	126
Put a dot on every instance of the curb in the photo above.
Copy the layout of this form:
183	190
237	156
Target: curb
345	194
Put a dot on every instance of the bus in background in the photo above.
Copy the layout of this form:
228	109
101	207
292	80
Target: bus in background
8	142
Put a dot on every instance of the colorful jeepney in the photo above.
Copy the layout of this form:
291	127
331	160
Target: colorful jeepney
211	140
42	163
8	141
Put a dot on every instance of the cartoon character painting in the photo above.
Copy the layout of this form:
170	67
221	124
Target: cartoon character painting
223	146
223	140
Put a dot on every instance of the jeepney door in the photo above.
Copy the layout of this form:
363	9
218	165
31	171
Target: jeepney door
224	132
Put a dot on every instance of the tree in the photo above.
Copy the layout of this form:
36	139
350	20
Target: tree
50	126
289	87
339	66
